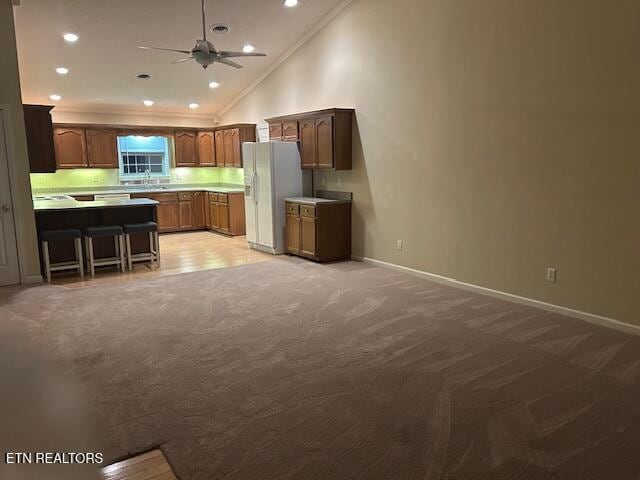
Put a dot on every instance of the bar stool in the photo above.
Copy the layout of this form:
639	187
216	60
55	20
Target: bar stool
114	231
59	235
153	254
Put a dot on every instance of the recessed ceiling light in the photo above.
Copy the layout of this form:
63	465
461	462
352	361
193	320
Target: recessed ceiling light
148	103
143	76
220	28
248	48
214	84
62	70
70	37
55	97
193	106
290	3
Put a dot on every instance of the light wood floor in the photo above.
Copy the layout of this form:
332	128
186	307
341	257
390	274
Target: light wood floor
148	466
180	253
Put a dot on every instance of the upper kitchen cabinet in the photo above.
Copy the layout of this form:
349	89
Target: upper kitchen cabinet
186	148
325	137
102	147
70	147
206	149
39	129
228	143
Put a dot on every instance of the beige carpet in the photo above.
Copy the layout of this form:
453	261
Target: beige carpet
288	369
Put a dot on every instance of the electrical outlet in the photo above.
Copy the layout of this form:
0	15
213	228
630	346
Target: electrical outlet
339	182
399	245
95	180
323	182
552	273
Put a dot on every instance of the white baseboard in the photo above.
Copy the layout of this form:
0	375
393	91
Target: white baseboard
570	312
32	279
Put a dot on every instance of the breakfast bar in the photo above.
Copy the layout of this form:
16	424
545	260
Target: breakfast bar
68	213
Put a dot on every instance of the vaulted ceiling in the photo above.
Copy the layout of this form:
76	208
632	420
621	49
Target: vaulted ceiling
105	60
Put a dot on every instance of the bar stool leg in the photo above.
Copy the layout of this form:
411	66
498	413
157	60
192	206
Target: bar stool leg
79	259
128	242
157	242
92	267
151	249
47	263
121	250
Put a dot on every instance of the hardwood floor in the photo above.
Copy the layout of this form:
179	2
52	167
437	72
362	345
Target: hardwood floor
148	466
180	253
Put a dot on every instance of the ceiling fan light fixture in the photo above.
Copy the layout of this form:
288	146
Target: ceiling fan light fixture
290	3
193	106
70	37
214	84
248	48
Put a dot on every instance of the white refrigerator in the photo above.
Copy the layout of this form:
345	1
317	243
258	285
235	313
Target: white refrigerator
272	172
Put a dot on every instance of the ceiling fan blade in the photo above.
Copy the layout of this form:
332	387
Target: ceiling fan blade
226	61
183	60
228	54
187	52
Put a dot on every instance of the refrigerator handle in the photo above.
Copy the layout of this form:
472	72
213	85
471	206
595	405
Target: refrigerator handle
253	188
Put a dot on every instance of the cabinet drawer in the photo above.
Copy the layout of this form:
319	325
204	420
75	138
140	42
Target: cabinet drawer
307	211
292	208
164	197
185	196
223	198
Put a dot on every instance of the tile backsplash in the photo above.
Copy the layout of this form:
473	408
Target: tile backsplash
94	177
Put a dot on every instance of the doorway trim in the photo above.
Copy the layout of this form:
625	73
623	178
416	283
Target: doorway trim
19	211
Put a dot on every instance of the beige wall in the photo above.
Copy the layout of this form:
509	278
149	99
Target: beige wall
18	161
495	138
61	115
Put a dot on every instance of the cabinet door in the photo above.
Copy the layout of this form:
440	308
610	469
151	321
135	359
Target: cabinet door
186	148
214	215
228	148
223	215
206	150
39	130
186	215
293	233
102	148
71	147
308	143
275	131
219	148
290	131
308	236
237	148
324	142
199	220
168	217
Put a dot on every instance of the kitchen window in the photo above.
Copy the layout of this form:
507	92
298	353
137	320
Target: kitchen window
143	155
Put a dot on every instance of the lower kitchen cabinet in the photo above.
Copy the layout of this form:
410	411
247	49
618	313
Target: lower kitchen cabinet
183	211
320	231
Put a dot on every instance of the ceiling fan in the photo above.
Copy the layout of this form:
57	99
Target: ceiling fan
205	53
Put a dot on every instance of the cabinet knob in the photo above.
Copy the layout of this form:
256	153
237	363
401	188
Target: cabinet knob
5	208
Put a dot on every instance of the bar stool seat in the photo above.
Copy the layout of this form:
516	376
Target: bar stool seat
47	236
115	231
153	254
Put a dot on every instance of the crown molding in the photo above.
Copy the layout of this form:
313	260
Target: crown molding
305	38
133	111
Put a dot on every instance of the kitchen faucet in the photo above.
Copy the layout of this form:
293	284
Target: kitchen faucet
147	178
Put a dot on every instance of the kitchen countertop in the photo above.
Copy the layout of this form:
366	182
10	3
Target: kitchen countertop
313	200
142	189
58	205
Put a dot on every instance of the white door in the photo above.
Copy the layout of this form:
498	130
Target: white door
9	273
263	193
